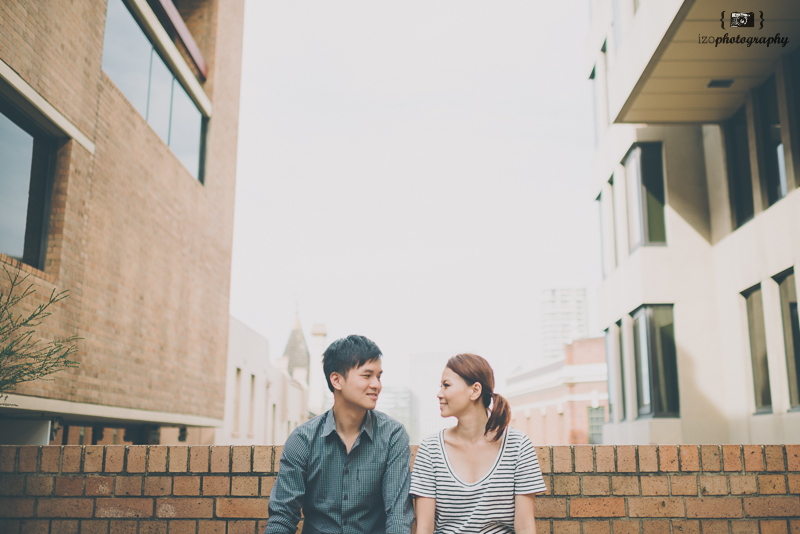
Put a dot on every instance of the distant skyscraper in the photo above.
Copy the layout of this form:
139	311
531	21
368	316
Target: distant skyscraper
401	403
426	372
564	319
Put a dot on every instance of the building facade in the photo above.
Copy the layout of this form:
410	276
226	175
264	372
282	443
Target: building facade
118	134
565	318
696	173
563	402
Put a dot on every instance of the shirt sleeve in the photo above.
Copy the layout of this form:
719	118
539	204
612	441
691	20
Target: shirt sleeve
527	475
286	498
423	476
396	480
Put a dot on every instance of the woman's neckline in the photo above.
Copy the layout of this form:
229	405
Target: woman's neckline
484	477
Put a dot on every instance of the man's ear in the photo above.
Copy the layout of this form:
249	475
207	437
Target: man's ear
336	381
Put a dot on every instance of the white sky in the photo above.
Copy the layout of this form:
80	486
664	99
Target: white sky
415	172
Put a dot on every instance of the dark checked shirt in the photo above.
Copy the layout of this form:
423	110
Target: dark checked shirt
363	492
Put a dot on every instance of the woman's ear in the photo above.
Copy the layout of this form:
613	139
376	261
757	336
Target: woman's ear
477	391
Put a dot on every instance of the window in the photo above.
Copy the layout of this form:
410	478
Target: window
136	67
623	408
608	242
237	401
644	175
28	155
613	228
603	251
597	417
791	333
612	376
740	185
758	349
250	415
656	362
771	145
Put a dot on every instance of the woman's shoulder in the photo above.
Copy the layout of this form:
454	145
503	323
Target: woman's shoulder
430	442
517	435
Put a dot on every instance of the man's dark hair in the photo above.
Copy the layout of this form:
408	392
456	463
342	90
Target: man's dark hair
348	353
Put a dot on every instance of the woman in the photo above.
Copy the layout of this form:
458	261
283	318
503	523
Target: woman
479	476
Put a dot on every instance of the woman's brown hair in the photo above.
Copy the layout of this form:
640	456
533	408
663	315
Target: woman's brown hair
472	368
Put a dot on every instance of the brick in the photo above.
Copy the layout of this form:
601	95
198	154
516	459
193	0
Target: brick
597	507
241	459
186	486
793	457
794	526
774	526
69	486
137	458
99	486
625	485
648	458
94	527
123	527
690	457
626	458
743	485
262	459
595	485
774	457
120	507
153	527
8	458
185	508
562	459
732	457
711	507
279	452
655	527
93	459
158	485
584	458
40	486
566	485
64	527
242	507
12	485
683	484
787	506
711	457
685	527
183	527
543	454
241	527
51	458
128	486
11	507
548	484
220	459
595	527
713	485
198	459
753	458
211	527
178	458
267	483
668	458
61	507
156	459
744	527
71	459
655	507
28	458
35	527
542	527
794	483
714	527
771	484
604	457
655	485
217	486
566	527
244	486
625	527
115	459
550	508
11	526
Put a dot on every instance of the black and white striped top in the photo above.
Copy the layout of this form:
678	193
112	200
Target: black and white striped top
487	506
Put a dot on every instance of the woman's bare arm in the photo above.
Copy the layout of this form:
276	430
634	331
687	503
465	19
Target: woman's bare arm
523	514
426	514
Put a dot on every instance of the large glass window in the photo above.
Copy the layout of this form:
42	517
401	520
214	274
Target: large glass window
597	417
131	61
27	156
758	349
771	143
740	185
656	361
791	333
644	175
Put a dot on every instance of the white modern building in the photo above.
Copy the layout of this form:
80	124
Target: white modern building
401	404
696	172
565	318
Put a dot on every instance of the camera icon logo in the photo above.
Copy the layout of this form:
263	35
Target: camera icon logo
743	20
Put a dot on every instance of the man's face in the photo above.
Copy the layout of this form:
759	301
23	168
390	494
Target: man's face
362	385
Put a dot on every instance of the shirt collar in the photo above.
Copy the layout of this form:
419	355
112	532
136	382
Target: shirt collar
330	424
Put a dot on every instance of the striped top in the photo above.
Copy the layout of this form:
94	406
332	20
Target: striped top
486	506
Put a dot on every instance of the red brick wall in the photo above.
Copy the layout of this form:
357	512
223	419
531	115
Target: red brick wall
668	489
143	248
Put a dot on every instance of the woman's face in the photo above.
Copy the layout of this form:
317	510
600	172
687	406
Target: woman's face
455	395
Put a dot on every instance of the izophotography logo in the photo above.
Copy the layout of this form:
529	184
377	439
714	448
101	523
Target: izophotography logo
742	20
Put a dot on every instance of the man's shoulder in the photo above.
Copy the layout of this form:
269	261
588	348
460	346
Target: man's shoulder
309	430
387	421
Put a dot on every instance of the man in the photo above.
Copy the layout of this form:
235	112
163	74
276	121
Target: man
347	469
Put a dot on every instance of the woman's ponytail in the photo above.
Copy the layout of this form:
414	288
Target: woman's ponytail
499	417
474	369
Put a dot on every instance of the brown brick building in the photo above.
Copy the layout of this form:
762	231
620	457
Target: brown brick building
118	123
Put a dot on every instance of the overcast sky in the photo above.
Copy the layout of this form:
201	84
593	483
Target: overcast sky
415	172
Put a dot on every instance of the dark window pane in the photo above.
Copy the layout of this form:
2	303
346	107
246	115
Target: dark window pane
758	349
664	362
126	55
633	181
186	129
652	174
612	376
740	185
771	143
16	153
159	102
641	357
623	408
791	333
